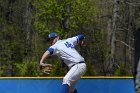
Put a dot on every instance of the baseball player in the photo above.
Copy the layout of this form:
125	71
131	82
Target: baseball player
65	49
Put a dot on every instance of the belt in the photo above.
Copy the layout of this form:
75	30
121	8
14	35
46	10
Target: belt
78	63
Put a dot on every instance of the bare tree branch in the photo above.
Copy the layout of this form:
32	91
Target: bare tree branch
133	4
125	44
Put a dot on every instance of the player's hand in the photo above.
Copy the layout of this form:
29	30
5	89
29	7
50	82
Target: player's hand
45	65
83	43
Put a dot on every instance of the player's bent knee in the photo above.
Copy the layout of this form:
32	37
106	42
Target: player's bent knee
66	81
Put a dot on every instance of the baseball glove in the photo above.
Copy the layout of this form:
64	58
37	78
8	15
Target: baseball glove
46	70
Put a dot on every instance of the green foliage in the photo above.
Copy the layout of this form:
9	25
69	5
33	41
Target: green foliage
11	47
48	11
27	68
51	13
59	69
90	70
3	70
67	18
122	71
50	16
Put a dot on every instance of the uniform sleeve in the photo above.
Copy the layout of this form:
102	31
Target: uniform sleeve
80	37
51	50
77	38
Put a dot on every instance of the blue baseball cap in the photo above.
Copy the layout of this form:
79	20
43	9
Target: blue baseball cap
52	35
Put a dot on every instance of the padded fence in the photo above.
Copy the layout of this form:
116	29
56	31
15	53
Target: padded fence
53	85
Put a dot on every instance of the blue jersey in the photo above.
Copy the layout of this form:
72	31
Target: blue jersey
65	49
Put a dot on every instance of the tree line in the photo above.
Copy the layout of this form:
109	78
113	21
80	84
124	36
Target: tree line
109	27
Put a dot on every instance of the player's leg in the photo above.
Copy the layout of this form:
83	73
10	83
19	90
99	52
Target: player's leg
65	88
74	75
72	87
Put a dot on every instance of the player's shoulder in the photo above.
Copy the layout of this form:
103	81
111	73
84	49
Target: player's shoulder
58	43
70	38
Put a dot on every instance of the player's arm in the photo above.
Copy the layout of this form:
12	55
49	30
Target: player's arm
45	56
79	39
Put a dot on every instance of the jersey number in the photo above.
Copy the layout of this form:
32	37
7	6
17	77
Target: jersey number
69	45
